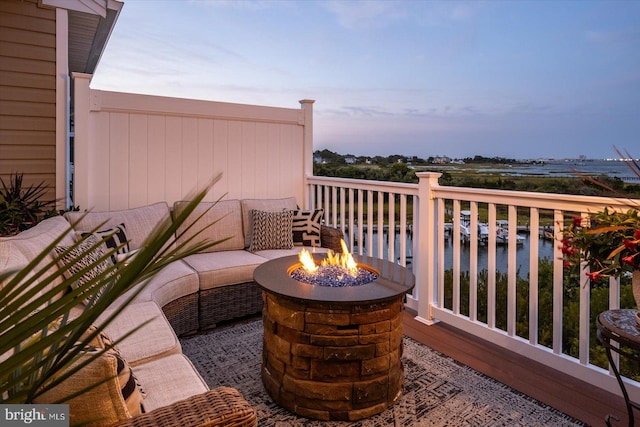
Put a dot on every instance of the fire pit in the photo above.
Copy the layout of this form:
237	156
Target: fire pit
331	351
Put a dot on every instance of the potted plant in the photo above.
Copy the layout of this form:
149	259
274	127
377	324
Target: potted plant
608	241
22	207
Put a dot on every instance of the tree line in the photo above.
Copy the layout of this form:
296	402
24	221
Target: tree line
398	168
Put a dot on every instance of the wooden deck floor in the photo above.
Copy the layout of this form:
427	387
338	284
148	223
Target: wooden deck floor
561	391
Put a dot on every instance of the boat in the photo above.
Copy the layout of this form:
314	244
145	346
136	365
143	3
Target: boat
546	233
502	233
465	228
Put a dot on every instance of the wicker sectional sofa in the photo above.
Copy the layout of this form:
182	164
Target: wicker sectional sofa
188	296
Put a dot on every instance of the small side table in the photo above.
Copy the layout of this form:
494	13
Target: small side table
619	326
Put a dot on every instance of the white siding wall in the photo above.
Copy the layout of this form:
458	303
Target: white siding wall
144	149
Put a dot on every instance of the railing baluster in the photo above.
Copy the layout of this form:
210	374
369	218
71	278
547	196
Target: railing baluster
403	229
391	234
351	218
360	222
512	271
473	263
558	220
343	221
457	238
534	224
491	268
370	222
380	225
334	208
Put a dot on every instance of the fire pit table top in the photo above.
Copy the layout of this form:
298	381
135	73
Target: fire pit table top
393	280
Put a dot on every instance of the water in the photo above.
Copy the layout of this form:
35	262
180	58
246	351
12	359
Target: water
545	250
560	168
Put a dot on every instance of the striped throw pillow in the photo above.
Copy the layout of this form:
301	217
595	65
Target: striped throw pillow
306	227
81	256
271	230
114	238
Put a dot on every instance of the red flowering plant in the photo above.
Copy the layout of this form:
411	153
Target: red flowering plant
608	241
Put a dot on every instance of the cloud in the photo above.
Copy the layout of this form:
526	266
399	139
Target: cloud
366	14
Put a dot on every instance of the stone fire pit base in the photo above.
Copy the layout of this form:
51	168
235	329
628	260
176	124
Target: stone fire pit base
332	361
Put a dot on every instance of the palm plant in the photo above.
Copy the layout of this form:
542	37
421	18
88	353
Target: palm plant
40	340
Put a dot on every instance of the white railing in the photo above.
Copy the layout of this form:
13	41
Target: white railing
426	215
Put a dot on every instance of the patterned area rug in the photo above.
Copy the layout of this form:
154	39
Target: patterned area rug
438	391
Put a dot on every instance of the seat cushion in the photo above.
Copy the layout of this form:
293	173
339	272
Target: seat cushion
169	380
224	268
172	282
153	340
215	221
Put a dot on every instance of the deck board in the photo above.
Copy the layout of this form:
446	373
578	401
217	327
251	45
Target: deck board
576	398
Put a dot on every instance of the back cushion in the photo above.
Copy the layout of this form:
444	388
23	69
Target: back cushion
31	242
228	224
266	205
138	222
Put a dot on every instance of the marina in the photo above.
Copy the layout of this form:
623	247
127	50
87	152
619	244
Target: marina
545	248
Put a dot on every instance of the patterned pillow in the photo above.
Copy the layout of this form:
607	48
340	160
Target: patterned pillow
116	396
271	230
81	257
306	227
115	237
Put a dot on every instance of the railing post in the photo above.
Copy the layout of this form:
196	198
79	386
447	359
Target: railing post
307	149
425	265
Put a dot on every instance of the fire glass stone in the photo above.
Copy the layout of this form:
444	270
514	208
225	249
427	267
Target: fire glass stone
334	276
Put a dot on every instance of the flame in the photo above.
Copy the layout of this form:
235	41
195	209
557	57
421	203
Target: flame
344	260
307	261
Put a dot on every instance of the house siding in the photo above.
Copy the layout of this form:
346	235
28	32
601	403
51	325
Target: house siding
28	92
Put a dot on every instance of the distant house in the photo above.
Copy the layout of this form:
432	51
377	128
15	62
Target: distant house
318	159
441	160
350	160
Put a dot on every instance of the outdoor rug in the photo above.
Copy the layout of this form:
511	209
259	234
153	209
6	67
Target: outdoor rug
438	391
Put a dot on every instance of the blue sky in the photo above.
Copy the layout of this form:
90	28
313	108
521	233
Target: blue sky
518	79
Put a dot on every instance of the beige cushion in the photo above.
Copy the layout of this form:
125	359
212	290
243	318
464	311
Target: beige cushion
116	399
226	219
169	380
278	253
11	259
139	222
267	205
33	241
172	282
153	340
224	268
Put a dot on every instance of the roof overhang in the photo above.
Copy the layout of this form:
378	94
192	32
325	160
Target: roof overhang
90	25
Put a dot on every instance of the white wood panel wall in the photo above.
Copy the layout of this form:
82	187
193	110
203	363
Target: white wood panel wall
143	149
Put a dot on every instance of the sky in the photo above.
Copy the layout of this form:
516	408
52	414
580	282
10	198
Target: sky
517	79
